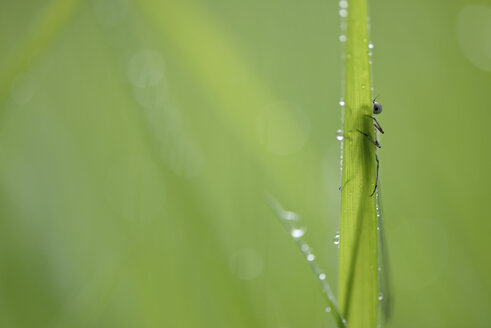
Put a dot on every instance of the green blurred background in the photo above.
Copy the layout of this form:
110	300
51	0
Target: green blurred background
138	140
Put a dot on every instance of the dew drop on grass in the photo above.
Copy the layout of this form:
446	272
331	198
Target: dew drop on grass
339	135
380	296
291	216
343	13
341	102
342	38
336	240
297	232
370	46
343	4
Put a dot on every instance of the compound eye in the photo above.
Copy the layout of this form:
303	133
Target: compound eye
377	108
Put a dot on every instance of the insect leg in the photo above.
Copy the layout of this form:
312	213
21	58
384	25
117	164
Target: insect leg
375	142
376	124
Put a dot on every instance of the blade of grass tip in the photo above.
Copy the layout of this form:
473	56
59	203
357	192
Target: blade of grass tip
291	222
358	262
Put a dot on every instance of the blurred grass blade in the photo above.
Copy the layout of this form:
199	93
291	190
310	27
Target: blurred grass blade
291	222
216	61
358	278
52	19
238	95
383	260
222	71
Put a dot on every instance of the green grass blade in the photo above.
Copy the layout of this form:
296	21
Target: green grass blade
385	295
291	223
358	285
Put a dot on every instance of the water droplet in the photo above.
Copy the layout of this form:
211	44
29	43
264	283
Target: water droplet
343	4
369	53
344	321
328	309
378	228
342	38
339	135
370	45
379	269
343	13
322	276
310	257
291	216
297	233
341	102
305	248
380	296
336	240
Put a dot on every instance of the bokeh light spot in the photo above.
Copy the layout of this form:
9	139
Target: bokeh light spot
146	69
247	264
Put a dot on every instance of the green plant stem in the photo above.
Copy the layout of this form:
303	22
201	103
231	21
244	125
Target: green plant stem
358	282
